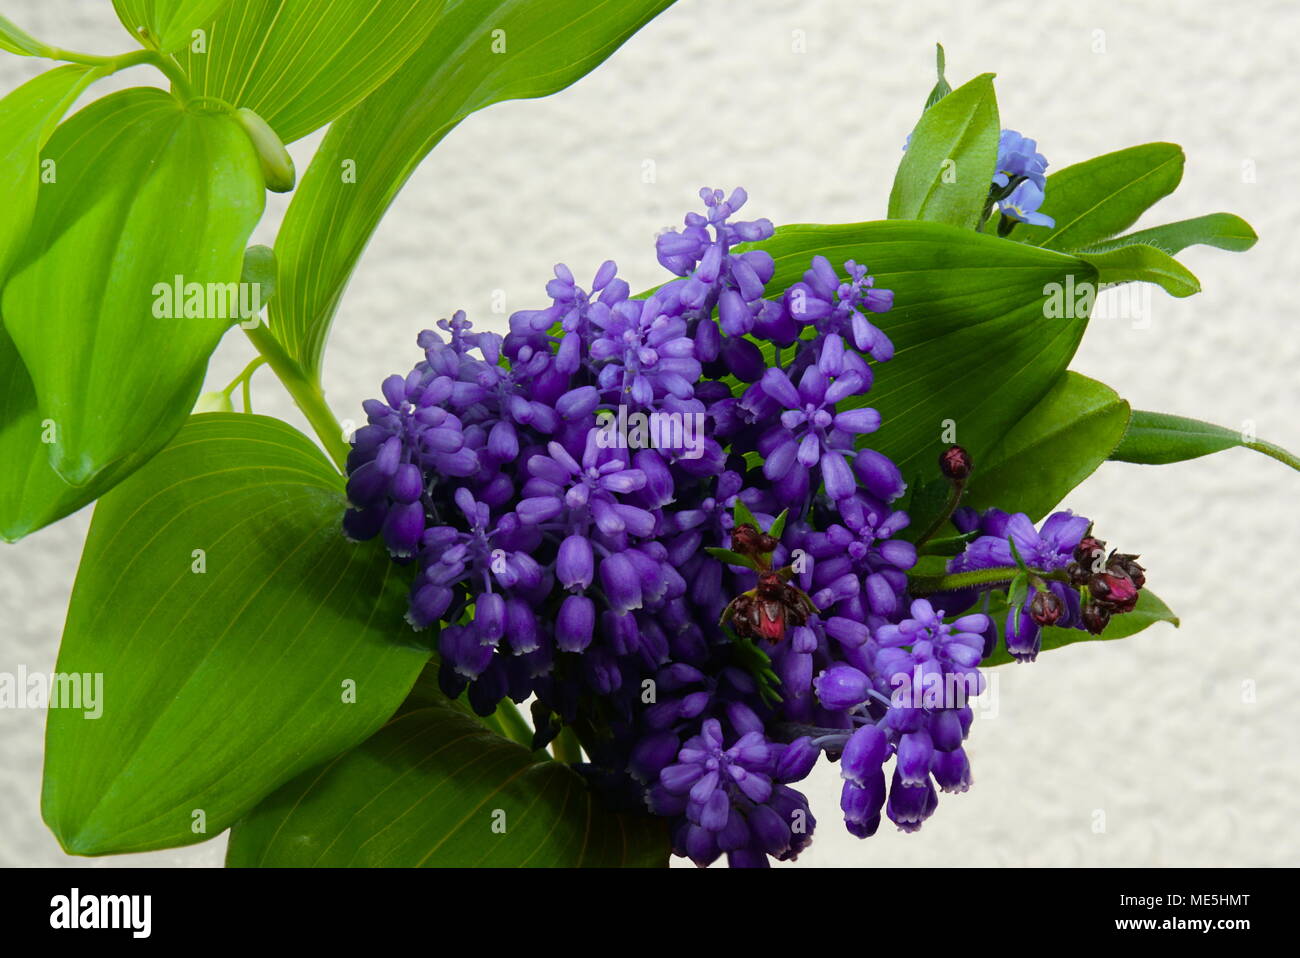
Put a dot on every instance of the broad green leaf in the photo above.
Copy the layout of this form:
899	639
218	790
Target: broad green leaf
1054	447
436	789
1099	198
1146	264
371	151
945	174
17	40
973	344
1150	610
28	116
1221	230
146	196
241	639
32	494
1156	438
300	63
165	25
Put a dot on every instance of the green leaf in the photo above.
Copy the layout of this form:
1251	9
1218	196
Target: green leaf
299	64
144	192
1054	447
941	88
1156	438
371	151
17	40
165	25
1221	230
1150	610
730	557
227	614
945	174
28	116
972	342
434	788
1094	200
1141	263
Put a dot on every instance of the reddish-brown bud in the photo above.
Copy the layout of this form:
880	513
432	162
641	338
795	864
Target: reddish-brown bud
1046	607
955	463
1095	618
1086	552
749	541
1114	589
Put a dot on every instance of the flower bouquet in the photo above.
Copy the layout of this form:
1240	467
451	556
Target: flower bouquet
602	585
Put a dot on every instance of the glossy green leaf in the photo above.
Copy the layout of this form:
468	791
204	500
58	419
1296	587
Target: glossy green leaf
144	192
1099	198
972	343
165	25
299	64
17	40
28	116
945	174
1221	230
1150	610
436	789
1054	447
370	152
241	639
1156	438
1141	263
32	494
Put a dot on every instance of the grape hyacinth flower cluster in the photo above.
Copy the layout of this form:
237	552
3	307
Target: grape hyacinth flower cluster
708	622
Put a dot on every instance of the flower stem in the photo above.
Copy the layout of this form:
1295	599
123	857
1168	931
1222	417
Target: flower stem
975	578
513	724
954	500
306	393
566	747
169	67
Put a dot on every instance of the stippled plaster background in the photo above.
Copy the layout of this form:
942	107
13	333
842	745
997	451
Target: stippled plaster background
1156	733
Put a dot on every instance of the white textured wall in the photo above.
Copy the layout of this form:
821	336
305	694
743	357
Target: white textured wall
1152	731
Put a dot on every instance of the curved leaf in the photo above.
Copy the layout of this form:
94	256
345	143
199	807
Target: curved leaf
436	789
18	41
226	613
1221	230
1146	264
1094	200
300	63
28	116
1054	447
974	346
951	158
114	363
1156	438
371	151
165	25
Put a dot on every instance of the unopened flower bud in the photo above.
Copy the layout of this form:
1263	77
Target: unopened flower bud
1114	589
1095	618
955	463
1046	607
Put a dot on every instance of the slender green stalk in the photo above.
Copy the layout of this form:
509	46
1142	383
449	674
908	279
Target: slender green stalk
566	747
513	724
168	66
306	393
927	584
